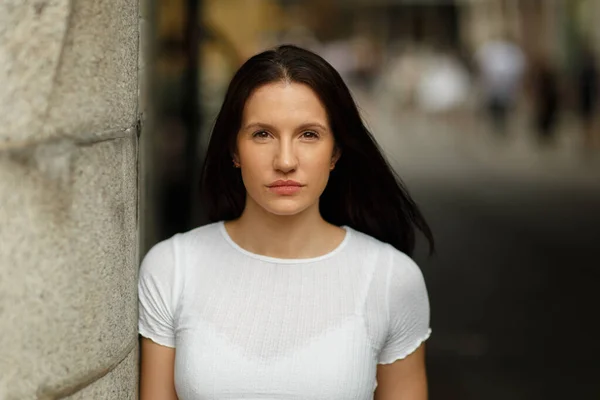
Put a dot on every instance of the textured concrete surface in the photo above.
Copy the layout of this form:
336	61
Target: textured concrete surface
119	384
67	67
69	246
69	198
27	67
144	54
148	142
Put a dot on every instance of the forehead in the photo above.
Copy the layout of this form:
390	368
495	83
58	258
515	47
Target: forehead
284	101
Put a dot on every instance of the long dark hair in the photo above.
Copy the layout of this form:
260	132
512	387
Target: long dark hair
363	191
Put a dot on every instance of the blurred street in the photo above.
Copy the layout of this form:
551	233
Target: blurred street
513	285
488	110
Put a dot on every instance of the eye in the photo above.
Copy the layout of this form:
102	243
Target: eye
310	135
261	135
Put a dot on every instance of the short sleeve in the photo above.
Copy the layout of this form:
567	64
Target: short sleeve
408	310
156	294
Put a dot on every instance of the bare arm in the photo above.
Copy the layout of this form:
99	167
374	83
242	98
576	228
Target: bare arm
404	379
157	380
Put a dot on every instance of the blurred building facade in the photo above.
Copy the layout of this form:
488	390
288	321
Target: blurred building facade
68	198
555	27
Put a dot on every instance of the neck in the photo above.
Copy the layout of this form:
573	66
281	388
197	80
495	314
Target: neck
303	235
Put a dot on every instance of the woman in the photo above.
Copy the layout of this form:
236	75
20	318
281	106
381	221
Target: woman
302	287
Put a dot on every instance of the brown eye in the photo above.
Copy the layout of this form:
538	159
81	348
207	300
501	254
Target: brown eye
260	135
310	135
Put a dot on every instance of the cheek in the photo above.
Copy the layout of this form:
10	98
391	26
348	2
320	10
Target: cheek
319	160
252	171
256	169
253	160
317	168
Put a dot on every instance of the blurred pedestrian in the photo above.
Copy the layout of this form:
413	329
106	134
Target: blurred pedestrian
545	90
340	54
444	85
302	286
401	77
588	88
501	66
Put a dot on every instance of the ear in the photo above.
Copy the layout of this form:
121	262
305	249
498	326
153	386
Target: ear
233	152
337	153
235	159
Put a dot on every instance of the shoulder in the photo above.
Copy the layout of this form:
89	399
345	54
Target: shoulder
388	254
366	244
397	305
200	237
166	255
395	268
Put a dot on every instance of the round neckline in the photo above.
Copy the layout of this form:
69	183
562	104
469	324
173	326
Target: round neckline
276	260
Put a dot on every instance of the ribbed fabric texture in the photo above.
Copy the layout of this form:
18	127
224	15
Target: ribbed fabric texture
247	326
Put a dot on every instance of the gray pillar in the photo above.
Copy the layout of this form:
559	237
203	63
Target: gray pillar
68	199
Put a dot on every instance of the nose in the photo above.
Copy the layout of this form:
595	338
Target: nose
285	160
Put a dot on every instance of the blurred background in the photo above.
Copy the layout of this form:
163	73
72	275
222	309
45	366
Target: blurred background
488	110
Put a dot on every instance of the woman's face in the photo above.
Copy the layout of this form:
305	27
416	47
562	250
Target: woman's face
285	148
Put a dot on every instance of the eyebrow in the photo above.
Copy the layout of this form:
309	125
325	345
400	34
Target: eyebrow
307	125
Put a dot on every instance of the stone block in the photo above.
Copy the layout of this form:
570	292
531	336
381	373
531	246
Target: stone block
67	67
119	384
68	240
143	70
28	67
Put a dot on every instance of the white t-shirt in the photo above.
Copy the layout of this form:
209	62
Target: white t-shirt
247	326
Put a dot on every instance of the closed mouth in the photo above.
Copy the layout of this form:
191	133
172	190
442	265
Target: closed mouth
282	183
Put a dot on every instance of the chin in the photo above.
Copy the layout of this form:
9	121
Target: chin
285	207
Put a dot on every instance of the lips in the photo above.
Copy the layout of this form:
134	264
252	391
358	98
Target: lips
281	183
285	187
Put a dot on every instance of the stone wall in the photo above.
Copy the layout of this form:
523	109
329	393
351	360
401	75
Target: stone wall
69	121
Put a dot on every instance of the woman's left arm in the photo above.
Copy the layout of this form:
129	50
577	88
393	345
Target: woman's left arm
403	379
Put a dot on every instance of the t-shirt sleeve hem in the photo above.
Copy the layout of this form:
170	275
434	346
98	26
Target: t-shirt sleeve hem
390	357
158	339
